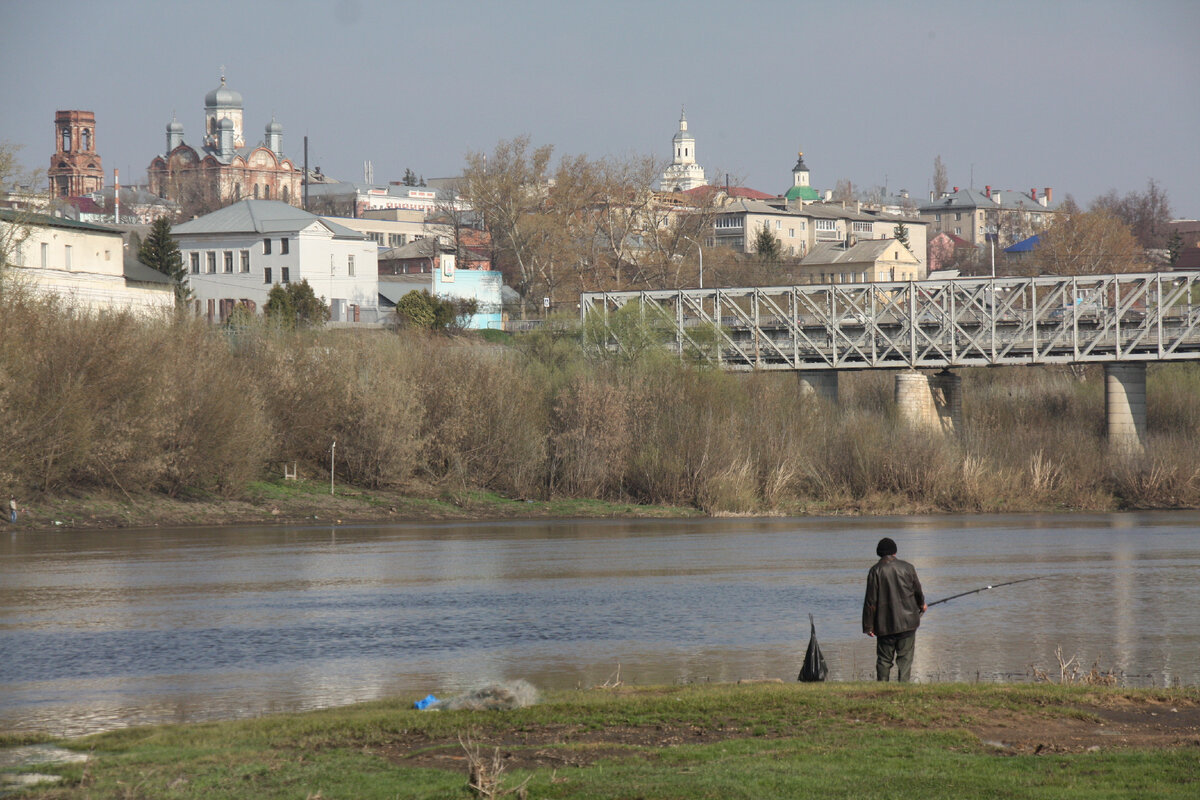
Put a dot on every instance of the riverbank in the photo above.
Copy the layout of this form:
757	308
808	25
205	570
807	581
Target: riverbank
760	740
306	502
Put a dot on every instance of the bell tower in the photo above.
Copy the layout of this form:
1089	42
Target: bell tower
75	166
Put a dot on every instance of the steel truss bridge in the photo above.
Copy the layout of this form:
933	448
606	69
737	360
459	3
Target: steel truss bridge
933	324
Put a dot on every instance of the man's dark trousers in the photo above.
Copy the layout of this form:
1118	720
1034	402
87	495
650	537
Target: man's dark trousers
898	648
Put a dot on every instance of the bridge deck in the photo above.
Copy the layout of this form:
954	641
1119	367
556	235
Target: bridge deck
918	324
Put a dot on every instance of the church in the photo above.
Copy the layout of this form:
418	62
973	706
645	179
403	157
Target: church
223	169
683	173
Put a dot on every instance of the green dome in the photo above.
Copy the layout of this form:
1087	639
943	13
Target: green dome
806	193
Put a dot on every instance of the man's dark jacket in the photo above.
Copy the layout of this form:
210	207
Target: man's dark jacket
894	598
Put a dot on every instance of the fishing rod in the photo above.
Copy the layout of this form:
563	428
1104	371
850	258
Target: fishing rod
984	589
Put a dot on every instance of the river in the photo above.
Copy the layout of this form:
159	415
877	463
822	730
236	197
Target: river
104	629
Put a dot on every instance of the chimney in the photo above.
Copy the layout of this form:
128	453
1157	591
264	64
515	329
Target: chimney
987	191
1033	194
1048	196
117	196
956	190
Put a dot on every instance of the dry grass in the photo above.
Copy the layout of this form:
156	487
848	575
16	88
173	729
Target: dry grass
132	404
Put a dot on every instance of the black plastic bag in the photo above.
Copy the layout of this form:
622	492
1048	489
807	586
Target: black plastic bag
814	668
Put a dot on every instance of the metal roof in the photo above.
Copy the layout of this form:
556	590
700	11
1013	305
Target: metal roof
261	216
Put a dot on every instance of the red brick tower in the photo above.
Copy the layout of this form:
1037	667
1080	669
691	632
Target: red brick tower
75	167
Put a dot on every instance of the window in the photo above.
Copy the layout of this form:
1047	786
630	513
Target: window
266	191
245	261
195	259
229	261
66	140
67	256
792	233
85	140
376	237
729	222
212	261
45	255
284	275
108	255
958	216
267	275
286	194
266	242
778	224
826	224
958	231
256	191
350	265
862	227
283	246
396	239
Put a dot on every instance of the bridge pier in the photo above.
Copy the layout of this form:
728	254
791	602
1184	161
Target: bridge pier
930	401
822	383
1125	406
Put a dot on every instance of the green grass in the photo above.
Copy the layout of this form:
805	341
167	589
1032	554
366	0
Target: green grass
716	741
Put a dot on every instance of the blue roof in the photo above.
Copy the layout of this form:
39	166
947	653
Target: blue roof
1025	245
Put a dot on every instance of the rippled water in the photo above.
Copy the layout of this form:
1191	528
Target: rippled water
105	629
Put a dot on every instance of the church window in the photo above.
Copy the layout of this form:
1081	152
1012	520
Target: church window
237	191
266	243
286	194
86	140
195	259
283	246
245	261
256	191
229	261
266	191
267	275
212	262
66	140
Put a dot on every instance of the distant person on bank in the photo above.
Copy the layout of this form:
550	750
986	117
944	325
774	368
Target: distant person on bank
892	611
12	509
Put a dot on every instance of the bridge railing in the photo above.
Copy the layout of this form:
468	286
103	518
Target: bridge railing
938	323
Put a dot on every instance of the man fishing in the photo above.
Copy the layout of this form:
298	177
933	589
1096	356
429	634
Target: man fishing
892	611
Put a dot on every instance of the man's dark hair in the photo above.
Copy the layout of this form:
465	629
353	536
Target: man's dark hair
886	547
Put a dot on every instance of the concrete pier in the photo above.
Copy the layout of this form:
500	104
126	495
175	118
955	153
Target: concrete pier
1125	406
822	383
930	401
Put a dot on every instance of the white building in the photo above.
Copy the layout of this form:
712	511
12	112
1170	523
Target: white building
85	265
683	173
237	254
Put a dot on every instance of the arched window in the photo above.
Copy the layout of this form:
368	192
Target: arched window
85	139
256	191
237	191
66	140
286	195
266	191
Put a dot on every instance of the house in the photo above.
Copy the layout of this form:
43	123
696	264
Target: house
83	264
867	261
430	265
971	215
946	249
236	255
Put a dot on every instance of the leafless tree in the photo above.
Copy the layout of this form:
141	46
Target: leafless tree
940	181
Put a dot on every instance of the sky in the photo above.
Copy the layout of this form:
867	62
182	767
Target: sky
1080	95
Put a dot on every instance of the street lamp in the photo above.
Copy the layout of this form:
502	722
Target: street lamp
699	250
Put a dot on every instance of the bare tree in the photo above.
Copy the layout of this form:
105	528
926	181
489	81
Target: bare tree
1146	213
24	184
940	181
1090	243
843	191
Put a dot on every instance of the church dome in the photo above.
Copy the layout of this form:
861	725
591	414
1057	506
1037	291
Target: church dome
174	126
226	124
274	127
223	97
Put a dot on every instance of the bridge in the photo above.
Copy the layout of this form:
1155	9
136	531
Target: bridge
1121	321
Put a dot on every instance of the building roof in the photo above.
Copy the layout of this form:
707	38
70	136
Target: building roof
740	192
805	193
964	199
30	218
418	248
261	216
868	251
140	273
1025	245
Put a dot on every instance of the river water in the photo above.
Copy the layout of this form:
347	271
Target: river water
103	629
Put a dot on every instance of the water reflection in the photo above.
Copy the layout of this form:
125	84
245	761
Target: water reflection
102	629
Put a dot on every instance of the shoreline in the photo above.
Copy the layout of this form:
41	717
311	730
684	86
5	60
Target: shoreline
304	502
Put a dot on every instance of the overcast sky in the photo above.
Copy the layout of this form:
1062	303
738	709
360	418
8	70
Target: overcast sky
1082	96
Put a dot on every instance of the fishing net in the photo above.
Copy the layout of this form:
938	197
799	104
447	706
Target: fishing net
814	668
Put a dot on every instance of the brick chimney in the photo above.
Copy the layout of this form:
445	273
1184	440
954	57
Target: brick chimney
1033	194
1049	194
987	191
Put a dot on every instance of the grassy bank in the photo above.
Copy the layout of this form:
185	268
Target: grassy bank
134	409
717	741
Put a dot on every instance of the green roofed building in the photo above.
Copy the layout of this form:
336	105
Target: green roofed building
801	191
